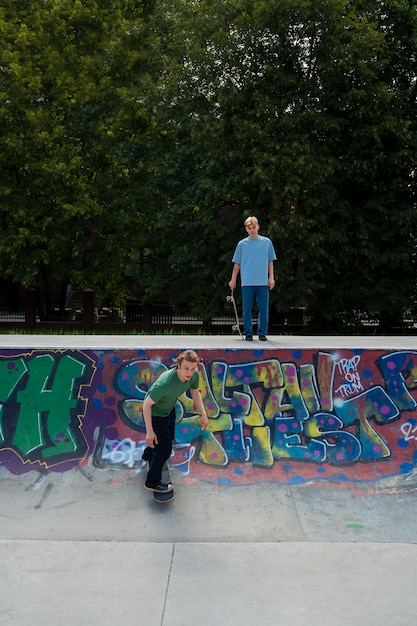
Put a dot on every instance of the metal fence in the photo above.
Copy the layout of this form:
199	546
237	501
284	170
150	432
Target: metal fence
85	311
89	312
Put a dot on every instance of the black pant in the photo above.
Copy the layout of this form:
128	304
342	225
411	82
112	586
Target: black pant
164	428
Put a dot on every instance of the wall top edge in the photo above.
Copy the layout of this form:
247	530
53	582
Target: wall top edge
199	342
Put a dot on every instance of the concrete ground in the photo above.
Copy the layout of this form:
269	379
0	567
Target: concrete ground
90	547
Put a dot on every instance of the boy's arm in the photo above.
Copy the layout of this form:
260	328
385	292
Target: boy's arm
271	279
150	437
198	402
235	272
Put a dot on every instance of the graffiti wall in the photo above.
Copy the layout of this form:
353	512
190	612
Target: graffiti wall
287	416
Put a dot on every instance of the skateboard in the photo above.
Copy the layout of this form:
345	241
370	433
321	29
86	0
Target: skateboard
237	325
168	496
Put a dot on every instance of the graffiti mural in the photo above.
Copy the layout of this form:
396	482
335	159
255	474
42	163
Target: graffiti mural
289	416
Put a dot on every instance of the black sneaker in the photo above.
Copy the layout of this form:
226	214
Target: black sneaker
159	487
248	337
262	338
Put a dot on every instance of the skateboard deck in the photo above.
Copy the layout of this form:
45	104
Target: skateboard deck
237	325
164	498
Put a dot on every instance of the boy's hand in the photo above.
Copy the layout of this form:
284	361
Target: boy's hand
151	439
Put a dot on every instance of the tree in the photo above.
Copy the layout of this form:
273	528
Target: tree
289	110
147	132
73	84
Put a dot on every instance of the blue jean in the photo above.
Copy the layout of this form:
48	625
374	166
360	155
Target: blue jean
261	295
164	428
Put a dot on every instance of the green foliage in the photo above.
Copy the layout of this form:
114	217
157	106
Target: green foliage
72	81
296	112
142	134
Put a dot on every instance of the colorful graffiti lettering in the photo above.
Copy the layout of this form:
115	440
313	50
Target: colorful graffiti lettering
409	430
42	408
292	416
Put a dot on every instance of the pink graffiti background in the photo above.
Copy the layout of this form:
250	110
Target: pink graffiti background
286	416
291	416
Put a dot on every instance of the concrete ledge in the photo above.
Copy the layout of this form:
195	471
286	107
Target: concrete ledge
226	342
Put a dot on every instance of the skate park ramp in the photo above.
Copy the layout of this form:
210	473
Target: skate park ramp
273	542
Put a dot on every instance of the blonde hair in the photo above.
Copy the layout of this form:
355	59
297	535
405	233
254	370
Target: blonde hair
187	355
251	220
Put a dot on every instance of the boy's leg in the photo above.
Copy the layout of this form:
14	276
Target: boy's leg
248	294
162	451
262	302
147	454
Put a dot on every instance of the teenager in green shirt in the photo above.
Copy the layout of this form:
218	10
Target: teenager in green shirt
159	414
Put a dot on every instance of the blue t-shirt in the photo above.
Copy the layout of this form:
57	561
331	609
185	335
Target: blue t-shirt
253	256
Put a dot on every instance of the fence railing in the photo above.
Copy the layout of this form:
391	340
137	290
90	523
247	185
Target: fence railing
87	312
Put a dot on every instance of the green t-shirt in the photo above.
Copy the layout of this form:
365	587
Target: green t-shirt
166	390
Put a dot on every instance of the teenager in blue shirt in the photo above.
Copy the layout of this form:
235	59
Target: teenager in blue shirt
254	258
